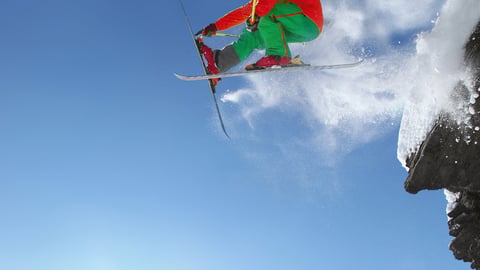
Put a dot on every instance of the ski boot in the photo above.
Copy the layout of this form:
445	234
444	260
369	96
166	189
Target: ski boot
209	57
269	61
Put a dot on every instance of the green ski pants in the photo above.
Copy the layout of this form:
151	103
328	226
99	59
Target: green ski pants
284	24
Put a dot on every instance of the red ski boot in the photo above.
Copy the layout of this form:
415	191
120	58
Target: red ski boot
269	61
210	59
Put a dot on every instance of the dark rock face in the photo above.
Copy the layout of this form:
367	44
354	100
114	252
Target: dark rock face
449	158
464	225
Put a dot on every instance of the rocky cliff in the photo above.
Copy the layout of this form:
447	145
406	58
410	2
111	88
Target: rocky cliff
449	158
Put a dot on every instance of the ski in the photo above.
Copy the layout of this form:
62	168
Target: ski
211	82
287	68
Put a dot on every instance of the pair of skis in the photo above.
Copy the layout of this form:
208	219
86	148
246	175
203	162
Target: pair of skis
213	77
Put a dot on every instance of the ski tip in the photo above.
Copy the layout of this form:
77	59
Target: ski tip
179	76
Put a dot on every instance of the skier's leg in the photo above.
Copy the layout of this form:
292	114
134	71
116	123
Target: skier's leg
285	24
273	35
226	58
238	51
247	43
297	26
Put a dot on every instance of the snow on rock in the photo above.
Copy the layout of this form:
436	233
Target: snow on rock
452	199
437	67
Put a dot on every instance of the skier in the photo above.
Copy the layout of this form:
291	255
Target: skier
274	24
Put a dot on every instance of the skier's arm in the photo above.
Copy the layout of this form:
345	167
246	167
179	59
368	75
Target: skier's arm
241	14
234	17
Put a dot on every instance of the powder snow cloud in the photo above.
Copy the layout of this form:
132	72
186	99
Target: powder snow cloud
353	105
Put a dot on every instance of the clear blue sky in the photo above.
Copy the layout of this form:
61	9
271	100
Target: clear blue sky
107	161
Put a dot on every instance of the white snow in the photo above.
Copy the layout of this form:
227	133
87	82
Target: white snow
452	199
437	67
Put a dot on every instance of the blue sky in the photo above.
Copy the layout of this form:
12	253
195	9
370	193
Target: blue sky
107	161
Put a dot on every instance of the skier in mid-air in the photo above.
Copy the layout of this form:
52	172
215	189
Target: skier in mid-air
274	24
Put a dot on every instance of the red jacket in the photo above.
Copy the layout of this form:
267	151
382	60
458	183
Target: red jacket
311	8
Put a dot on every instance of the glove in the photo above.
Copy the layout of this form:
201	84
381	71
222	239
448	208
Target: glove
252	26
208	31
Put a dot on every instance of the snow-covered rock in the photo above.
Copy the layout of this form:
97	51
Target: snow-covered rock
448	156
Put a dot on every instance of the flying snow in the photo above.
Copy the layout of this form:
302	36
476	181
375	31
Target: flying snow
345	108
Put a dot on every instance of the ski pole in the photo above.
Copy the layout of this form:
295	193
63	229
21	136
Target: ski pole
220	34
254	6
225	35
